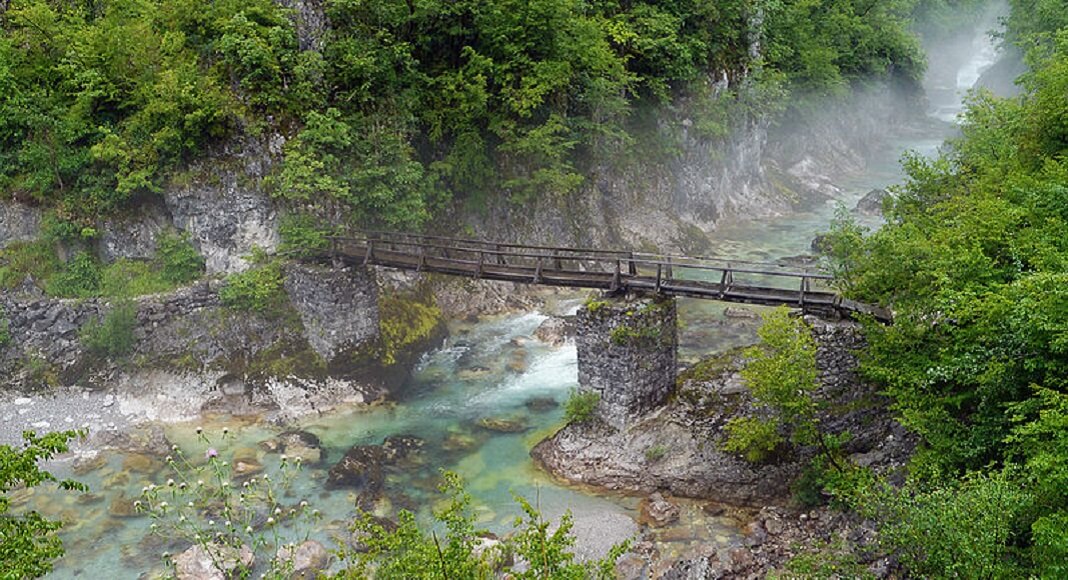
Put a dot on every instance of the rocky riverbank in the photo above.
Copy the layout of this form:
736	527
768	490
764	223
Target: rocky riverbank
677	448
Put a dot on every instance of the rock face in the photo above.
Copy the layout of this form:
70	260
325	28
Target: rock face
193	354
688	431
338	307
627	354
18	222
135	234
222	205
554	331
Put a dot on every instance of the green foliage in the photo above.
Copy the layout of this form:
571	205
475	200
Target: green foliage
21	259
754	438
833	559
28	541
114	335
973	261
5	329
963	529
396	107
655	453
79	278
259	289
580	406
303	234
410	552
129	278
177	260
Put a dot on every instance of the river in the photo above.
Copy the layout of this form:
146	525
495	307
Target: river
487	369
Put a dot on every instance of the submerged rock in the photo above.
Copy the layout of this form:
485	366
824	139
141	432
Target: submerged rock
657	511
363	467
503	424
541	404
296	445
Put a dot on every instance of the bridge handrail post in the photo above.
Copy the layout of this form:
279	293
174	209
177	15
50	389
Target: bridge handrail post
481	259
537	271
804	288
670	273
370	252
659	268
632	268
615	278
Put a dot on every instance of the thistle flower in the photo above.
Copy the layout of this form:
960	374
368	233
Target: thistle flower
200	430
211	453
248	529
170	483
270	521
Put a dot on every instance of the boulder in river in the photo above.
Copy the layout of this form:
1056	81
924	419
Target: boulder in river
872	202
306	559
212	562
554	331
363	466
541	404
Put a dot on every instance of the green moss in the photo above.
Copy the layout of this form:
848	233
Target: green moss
709	368
404	320
593	306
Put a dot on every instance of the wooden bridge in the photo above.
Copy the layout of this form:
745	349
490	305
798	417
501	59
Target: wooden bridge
613	271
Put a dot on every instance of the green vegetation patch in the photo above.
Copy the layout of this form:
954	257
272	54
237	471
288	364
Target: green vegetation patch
113	336
581	406
405	320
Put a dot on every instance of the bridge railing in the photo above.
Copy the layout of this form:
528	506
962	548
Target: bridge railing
540	261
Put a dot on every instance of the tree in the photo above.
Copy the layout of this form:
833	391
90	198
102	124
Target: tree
28	541
781	374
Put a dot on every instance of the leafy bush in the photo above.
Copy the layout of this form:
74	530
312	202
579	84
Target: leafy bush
5	329
79	278
303	234
541	549
259	289
962	529
129	278
178	261
28	541
114	335
580	406
754	438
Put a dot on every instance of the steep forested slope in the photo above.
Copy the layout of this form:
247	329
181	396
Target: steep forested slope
974	261
393	108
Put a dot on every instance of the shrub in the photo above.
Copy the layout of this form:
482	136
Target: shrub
754	438
80	278
114	335
580	406
542	549
655	453
5	330
259	289
177	259
303	234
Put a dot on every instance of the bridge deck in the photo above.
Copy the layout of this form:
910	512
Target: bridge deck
695	277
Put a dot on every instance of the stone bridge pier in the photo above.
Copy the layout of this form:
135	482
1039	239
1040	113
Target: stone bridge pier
627	353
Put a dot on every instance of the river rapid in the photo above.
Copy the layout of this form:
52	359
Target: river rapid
490	369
